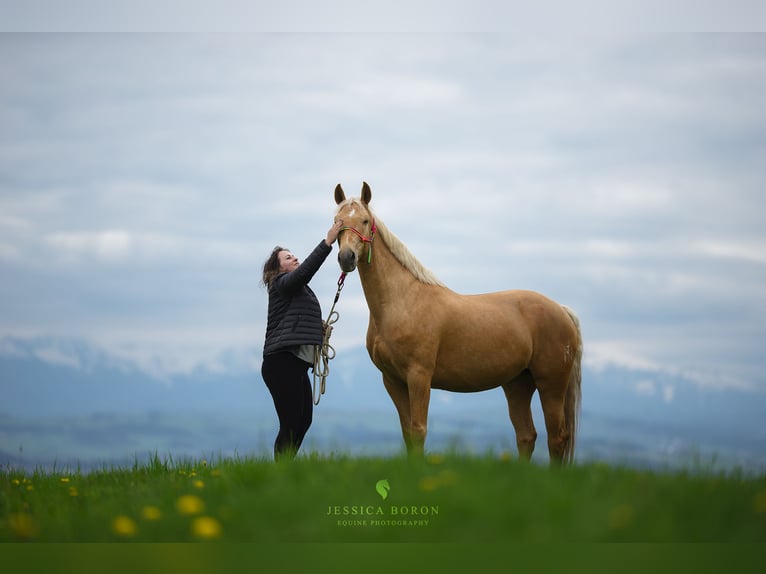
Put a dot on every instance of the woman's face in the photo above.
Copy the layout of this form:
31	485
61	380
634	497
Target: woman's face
287	261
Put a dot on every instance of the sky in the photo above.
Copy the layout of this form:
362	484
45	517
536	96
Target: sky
144	179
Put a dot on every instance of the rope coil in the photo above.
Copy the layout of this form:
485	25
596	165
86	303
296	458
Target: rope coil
325	352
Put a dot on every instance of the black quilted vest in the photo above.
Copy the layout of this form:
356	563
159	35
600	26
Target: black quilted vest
295	317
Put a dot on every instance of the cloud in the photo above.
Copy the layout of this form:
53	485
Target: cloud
115	245
751	252
423	16
145	179
111	244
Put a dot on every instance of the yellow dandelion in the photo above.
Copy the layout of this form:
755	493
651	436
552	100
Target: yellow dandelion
16	482
429	483
204	464
206	528
444	478
23	525
124	526
190	504
199	484
215	472
435	458
64	479
30	488
506	456
193	473
760	502
73	491
151	513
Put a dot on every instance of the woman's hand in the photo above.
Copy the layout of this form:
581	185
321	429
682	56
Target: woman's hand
332	234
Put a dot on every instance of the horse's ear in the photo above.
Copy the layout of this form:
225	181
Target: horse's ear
366	193
340	196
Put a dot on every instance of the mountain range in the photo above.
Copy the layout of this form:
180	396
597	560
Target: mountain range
632	416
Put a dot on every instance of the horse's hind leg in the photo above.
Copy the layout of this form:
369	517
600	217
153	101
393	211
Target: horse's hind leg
552	400
519	395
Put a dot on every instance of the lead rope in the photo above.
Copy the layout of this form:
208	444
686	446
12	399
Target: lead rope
324	353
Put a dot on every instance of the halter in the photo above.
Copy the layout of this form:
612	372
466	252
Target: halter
364	238
325	352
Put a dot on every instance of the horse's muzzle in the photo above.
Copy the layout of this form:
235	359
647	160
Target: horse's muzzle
347	260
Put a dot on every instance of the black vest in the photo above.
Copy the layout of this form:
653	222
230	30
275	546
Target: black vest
295	316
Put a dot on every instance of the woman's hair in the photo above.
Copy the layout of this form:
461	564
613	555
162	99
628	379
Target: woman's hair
271	267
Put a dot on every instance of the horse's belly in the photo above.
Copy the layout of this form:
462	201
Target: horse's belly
465	387
478	378
482	356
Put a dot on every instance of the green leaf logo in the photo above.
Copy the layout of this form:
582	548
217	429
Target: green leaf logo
382	487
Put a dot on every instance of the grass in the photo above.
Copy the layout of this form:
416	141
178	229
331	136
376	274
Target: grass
443	498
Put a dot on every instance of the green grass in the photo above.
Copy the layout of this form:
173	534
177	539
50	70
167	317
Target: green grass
442	498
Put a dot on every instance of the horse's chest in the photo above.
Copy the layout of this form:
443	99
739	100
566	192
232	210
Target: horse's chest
395	356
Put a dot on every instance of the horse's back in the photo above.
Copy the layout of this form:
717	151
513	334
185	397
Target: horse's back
531	308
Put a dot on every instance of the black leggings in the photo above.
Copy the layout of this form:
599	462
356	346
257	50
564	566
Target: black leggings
287	378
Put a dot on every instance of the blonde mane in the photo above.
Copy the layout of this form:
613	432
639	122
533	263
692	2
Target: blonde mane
405	257
398	249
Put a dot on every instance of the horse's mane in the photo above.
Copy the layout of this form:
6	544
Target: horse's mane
400	251
405	256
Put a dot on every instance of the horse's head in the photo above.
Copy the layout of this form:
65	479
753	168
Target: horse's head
358	228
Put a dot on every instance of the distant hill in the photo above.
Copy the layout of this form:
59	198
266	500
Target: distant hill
629	415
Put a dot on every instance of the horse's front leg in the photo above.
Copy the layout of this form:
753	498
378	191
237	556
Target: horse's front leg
397	390
419	391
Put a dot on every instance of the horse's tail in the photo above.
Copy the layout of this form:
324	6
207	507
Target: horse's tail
574	392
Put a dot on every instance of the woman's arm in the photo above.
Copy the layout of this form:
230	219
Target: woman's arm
294	280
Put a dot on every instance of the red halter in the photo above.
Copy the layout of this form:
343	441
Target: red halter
364	238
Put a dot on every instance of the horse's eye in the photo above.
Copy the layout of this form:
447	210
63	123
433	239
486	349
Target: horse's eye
366	221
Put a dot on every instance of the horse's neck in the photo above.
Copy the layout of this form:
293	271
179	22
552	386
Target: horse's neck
385	279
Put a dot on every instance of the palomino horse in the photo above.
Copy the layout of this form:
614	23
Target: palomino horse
423	335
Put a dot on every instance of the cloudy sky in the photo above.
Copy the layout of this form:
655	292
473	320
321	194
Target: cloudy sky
144	178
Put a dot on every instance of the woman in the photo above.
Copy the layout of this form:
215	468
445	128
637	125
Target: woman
294	328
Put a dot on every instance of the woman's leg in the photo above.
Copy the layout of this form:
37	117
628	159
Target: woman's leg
286	377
